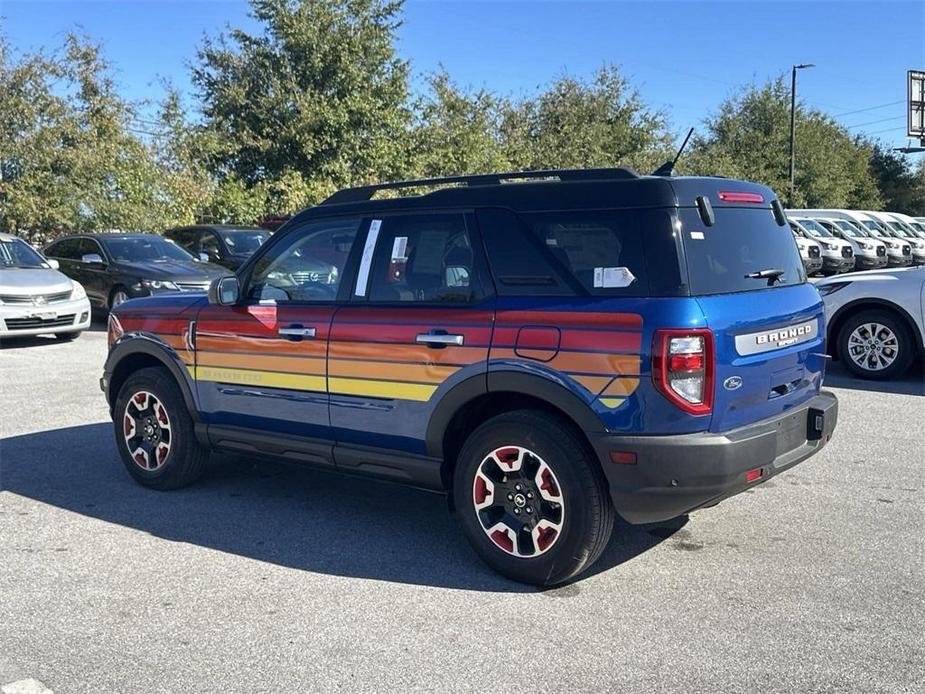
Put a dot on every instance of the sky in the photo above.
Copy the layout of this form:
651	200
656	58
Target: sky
684	57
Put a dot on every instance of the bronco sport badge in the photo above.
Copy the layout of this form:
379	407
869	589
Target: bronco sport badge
766	340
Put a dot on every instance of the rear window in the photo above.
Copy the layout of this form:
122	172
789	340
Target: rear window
745	250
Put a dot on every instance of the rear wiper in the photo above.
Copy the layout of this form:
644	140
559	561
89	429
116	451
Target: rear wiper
771	275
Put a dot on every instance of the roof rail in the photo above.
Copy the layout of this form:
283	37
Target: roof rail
362	193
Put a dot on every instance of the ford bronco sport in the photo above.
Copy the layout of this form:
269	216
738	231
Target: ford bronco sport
550	348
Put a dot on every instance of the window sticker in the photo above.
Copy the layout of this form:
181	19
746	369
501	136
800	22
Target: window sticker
697	235
366	261
613	277
400	248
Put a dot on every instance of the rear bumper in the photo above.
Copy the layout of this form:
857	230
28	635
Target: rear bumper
680	473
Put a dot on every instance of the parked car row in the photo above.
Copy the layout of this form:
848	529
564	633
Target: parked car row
53	292
848	240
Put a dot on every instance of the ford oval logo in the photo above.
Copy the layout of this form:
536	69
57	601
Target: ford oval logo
733	383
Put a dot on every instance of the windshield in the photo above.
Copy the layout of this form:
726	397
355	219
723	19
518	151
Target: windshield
134	249
17	253
874	228
899	230
243	241
814	228
919	228
851	230
744	250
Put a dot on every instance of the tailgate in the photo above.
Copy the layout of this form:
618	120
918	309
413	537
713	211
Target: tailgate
769	352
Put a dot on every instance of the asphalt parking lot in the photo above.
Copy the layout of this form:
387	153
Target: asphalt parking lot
268	578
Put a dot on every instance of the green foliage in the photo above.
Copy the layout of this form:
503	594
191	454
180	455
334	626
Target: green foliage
749	137
902	186
575	124
320	92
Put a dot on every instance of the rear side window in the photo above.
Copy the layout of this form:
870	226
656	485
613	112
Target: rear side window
745	250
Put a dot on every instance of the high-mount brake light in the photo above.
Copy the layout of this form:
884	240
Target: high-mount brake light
683	369
740	196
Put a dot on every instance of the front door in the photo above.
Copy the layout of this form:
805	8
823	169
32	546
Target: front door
419	323
261	365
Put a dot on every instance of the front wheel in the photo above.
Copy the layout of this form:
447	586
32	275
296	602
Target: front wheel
531	498
154	432
876	345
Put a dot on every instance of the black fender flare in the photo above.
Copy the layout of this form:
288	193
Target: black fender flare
504	381
132	344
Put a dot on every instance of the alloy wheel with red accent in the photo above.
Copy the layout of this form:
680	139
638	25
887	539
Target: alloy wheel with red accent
531	497
154	431
146	429
518	501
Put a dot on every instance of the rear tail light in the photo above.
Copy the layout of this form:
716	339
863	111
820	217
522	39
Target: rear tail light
682	368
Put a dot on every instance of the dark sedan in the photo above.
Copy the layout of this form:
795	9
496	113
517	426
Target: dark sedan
224	245
116	267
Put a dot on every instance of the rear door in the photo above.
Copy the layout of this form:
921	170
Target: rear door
418	324
261	365
768	322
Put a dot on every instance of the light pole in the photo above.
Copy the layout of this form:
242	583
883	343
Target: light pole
793	113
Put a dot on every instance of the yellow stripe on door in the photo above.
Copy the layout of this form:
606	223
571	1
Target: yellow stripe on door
381	389
397	390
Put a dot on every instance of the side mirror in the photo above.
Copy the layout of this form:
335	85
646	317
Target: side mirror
203	257
53	264
92	258
224	291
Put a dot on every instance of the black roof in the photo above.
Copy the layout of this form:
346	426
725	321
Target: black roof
536	191
218	227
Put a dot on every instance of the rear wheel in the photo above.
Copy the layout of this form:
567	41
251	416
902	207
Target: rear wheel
531	498
154	432
876	345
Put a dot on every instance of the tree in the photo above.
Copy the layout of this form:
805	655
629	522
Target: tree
319	94
575	124
456	132
901	186
69	159
749	138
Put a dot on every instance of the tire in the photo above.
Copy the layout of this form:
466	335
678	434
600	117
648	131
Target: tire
171	457
890	333
67	337
117	296
553	544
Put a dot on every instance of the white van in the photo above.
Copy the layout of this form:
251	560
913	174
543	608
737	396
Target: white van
899	253
905	227
869	253
837	255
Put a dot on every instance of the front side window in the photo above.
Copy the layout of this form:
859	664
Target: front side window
210	246
423	258
307	266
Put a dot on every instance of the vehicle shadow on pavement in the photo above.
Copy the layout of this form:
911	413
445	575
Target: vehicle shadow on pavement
276	512
912	383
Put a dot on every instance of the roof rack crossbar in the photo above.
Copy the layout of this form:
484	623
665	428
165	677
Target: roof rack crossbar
362	193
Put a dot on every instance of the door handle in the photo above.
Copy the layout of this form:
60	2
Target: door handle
296	331
435	339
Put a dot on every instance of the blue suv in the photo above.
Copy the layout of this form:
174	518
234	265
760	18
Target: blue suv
549	348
